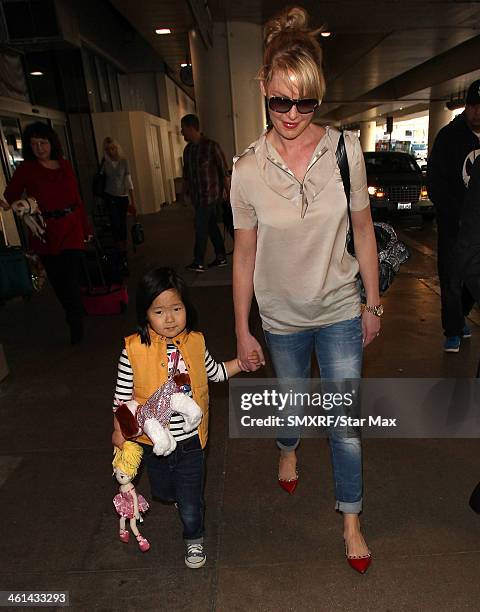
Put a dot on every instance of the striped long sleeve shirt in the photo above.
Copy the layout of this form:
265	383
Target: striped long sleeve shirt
124	391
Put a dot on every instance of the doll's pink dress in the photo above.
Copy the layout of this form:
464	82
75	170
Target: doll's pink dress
123	503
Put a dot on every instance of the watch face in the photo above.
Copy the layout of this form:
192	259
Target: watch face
379	310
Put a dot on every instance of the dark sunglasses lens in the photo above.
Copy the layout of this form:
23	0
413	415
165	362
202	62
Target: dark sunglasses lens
307	106
280	105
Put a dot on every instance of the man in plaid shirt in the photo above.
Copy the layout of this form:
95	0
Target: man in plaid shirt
205	179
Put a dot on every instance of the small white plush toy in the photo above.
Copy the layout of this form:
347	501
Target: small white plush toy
153	417
27	209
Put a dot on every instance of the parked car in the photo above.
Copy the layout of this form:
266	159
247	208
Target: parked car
419	151
396	184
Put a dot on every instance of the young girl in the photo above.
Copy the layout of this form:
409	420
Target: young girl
166	326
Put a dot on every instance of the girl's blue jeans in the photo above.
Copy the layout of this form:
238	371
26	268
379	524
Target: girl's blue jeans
338	348
179	477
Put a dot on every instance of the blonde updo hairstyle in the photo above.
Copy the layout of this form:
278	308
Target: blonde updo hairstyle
292	50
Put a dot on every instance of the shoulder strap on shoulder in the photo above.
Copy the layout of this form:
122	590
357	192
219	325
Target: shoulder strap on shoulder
342	161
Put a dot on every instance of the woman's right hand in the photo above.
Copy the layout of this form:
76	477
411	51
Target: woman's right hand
246	345
117	439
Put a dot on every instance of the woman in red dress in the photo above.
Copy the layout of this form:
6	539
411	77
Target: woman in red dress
49	178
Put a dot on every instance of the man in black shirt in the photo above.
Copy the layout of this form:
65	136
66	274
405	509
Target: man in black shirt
449	165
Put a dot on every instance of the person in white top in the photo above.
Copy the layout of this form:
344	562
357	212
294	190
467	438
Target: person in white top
119	194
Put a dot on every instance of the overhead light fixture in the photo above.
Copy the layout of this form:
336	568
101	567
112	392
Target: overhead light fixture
325	34
401	108
163	31
36	73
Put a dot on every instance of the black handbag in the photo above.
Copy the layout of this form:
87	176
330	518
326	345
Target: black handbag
392	252
98	182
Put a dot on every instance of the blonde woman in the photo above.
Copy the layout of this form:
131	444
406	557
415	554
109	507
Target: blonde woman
119	195
291	221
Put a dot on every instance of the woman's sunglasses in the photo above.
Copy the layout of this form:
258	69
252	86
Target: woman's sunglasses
283	105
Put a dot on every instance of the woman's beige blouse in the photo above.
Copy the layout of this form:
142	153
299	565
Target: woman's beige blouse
304	277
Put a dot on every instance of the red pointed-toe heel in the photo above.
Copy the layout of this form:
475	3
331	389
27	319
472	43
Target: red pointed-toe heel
289	485
359	564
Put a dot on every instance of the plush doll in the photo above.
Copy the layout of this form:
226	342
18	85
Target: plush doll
154	416
27	209
127	502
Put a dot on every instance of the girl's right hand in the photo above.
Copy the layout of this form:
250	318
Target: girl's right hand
246	346
117	439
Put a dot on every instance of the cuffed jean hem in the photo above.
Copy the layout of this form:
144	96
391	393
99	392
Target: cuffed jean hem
349	507
288	448
194	541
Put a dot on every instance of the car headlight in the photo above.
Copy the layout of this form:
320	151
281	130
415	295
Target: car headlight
378	192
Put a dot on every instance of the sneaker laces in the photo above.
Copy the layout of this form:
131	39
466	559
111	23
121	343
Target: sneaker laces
195	549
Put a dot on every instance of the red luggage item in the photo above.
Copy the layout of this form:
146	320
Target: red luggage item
105	299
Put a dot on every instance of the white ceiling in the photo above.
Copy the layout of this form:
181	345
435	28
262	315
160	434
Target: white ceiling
382	54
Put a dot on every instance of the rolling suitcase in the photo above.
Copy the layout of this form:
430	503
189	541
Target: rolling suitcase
101	296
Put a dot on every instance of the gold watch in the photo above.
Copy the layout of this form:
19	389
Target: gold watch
376	310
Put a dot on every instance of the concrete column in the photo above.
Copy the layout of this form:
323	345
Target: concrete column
367	135
438	116
229	103
245	48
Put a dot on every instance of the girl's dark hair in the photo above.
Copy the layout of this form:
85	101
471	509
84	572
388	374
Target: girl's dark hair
40	130
154	283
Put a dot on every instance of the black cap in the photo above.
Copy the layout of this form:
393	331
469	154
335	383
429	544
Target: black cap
473	94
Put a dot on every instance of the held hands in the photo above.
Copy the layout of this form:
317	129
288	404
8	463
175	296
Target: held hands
250	354
254	360
370	327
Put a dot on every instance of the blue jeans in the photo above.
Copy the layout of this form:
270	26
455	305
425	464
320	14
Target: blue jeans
338	348
179	477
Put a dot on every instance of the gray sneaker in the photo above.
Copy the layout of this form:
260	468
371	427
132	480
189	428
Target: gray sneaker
195	556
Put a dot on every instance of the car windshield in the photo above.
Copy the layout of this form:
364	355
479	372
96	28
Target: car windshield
390	163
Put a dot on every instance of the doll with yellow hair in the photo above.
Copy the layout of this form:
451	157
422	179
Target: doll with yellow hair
127	502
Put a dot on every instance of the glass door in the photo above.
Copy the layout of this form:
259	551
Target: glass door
11	148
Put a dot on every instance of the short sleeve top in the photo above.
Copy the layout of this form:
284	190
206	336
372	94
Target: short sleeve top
304	277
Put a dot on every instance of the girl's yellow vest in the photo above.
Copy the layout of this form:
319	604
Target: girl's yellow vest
150	370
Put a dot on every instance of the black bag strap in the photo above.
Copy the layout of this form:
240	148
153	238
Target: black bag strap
102	164
342	161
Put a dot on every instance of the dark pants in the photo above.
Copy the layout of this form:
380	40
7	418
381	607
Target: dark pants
179	477
64	273
206	226
117	207
457	300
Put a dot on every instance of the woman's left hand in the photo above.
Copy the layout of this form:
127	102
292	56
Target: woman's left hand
132	210
370	327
